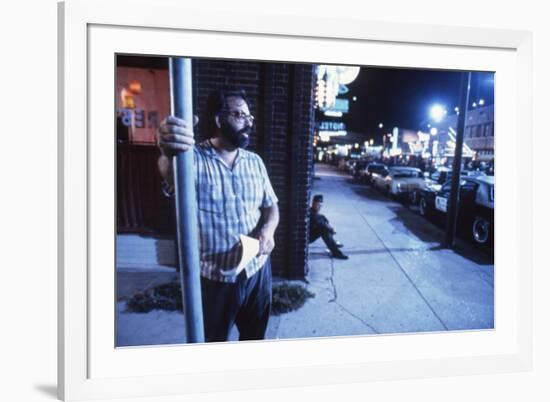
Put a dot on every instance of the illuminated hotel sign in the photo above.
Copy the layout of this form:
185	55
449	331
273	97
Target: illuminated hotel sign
341	105
329	80
331	126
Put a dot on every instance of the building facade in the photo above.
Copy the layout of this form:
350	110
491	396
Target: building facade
479	133
281	97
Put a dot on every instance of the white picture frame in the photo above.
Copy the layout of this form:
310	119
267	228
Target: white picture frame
89	369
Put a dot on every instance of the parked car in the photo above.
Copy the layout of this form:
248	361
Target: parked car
350	165
440	175
472	173
399	181
358	168
432	182
365	175
475	208
342	164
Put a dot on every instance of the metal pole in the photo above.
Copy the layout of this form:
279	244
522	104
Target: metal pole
452	211
186	204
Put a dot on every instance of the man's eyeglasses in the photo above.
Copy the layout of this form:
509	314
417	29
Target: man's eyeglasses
240	115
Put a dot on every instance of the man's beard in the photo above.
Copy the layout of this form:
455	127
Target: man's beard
237	138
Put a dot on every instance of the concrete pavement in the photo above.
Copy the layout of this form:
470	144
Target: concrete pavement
396	280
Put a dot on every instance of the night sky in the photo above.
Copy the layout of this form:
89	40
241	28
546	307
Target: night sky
402	97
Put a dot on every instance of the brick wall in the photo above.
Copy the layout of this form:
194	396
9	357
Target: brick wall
281	97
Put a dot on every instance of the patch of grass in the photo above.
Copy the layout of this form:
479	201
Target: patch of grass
288	297
162	297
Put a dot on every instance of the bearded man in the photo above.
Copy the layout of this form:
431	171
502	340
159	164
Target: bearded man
234	197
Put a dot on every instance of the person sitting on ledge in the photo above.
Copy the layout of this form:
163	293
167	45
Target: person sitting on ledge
320	227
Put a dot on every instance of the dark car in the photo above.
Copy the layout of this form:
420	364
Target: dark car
370	169
440	175
358	168
475	208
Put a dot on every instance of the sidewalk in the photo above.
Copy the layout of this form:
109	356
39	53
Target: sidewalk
396	280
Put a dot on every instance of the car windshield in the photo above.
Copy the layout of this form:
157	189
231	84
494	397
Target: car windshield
406	173
467	185
377	168
448	184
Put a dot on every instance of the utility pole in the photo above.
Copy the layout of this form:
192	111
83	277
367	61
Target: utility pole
454	197
186	204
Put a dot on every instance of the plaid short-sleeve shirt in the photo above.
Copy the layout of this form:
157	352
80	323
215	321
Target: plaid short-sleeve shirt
229	204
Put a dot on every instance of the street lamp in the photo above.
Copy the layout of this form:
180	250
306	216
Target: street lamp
437	112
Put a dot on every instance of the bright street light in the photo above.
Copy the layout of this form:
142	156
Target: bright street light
437	112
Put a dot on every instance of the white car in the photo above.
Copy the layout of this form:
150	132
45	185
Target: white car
399	181
366	174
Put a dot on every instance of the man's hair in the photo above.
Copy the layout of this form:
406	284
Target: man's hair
318	198
217	103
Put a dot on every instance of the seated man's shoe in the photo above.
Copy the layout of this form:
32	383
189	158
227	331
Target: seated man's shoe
340	256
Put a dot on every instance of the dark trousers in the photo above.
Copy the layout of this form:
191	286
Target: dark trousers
327	237
246	303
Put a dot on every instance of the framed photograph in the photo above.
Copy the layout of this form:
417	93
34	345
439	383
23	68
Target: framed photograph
410	137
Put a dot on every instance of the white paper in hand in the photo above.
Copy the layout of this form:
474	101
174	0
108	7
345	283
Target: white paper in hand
250	247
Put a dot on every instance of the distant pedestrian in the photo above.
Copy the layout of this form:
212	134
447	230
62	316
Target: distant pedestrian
319	226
